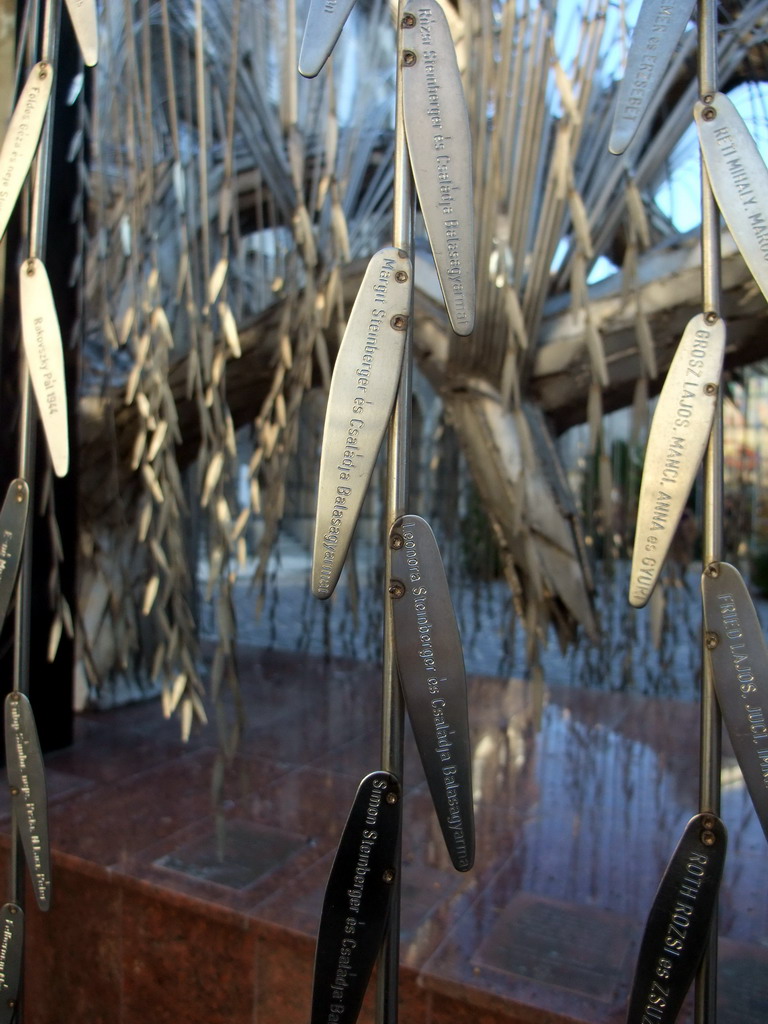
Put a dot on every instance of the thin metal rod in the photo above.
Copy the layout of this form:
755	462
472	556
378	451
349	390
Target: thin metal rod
202	127
397	487
39	208
705	1006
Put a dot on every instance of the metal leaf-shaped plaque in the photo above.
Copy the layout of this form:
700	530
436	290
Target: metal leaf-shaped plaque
365	380
21	139
325	20
357	900
13	524
739	658
26	779
739	180
678	925
45	357
11	949
430	664
654	38
82	14
437	130
676	444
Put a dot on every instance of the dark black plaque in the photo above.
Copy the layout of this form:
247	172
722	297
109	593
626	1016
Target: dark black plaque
11	946
26	779
13	523
678	925
357	901
739	659
430	664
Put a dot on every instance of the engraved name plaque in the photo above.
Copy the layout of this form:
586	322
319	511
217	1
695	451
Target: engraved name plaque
739	659
21	139
430	664
325	20
657	32
11	948
678	925
26	780
41	335
13	524
437	131
357	901
739	180
82	14
676	444
365	380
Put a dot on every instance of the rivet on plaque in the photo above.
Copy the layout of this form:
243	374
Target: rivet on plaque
437	131
676	444
430	664
364	385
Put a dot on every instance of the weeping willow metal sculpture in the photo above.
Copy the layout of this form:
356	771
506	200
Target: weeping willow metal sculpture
231	203
228	204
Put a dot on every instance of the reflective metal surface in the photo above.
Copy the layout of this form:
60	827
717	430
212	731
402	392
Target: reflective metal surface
26	780
82	14
739	179
325	20
45	357
365	380
654	39
678	925
21	138
357	900
431	667
580	798
739	658
13	523
11	949
676	444
437	130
